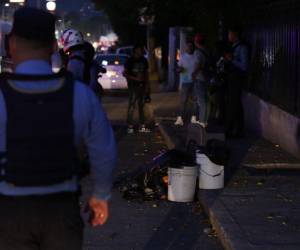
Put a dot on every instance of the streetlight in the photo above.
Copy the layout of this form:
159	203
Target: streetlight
17	1
51	5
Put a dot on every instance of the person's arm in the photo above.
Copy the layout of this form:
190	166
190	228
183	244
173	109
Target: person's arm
200	63
100	142
180	67
127	71
76	67
242	62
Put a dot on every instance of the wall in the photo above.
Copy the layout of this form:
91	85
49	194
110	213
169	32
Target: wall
273	123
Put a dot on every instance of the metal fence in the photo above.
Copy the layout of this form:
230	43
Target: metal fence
273	31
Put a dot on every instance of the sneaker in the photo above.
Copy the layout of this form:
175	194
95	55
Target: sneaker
143	129
179	121
194	119
130	130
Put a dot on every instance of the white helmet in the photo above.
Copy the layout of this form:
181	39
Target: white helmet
70	38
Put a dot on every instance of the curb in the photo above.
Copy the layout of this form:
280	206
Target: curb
223	223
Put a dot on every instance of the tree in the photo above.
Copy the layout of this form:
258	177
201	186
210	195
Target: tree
202	14
123	16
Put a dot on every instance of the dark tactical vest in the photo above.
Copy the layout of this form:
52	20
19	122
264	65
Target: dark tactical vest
39	133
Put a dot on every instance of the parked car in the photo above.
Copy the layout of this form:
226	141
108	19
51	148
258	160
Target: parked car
114	65
128	51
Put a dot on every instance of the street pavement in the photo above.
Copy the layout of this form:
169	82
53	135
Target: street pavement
153	224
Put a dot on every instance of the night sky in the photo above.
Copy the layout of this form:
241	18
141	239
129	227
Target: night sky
70	5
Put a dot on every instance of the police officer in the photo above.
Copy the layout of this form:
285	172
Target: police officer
237	63
43	118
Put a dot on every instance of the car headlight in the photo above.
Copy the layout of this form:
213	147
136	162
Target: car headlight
111	73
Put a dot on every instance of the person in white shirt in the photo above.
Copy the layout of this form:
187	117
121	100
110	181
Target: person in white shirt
186	66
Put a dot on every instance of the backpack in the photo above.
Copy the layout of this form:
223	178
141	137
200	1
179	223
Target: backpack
91	68
87	59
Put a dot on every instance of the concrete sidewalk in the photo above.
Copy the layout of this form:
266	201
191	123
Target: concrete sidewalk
260	206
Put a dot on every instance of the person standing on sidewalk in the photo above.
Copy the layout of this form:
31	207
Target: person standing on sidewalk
44	117
237	64
201	79
186	66
136	73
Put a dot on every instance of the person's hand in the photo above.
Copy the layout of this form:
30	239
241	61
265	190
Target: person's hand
99	211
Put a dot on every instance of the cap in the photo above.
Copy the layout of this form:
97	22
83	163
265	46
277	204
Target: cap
34	24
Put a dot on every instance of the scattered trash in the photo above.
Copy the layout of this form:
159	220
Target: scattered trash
260	183
155	205
146	187
197	209
149	191
165	179
150	181
213	234
207	230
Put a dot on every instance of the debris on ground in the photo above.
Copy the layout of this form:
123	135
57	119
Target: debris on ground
150	181
197	208
151	184
207	230
147	187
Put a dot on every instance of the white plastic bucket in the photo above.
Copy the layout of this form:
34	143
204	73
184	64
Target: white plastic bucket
211	175
182	183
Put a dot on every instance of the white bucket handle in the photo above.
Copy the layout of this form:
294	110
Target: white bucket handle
216	175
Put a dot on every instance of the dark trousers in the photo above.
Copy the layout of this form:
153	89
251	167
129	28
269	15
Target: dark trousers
200	91
50	222
186	93
136	96
235	112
